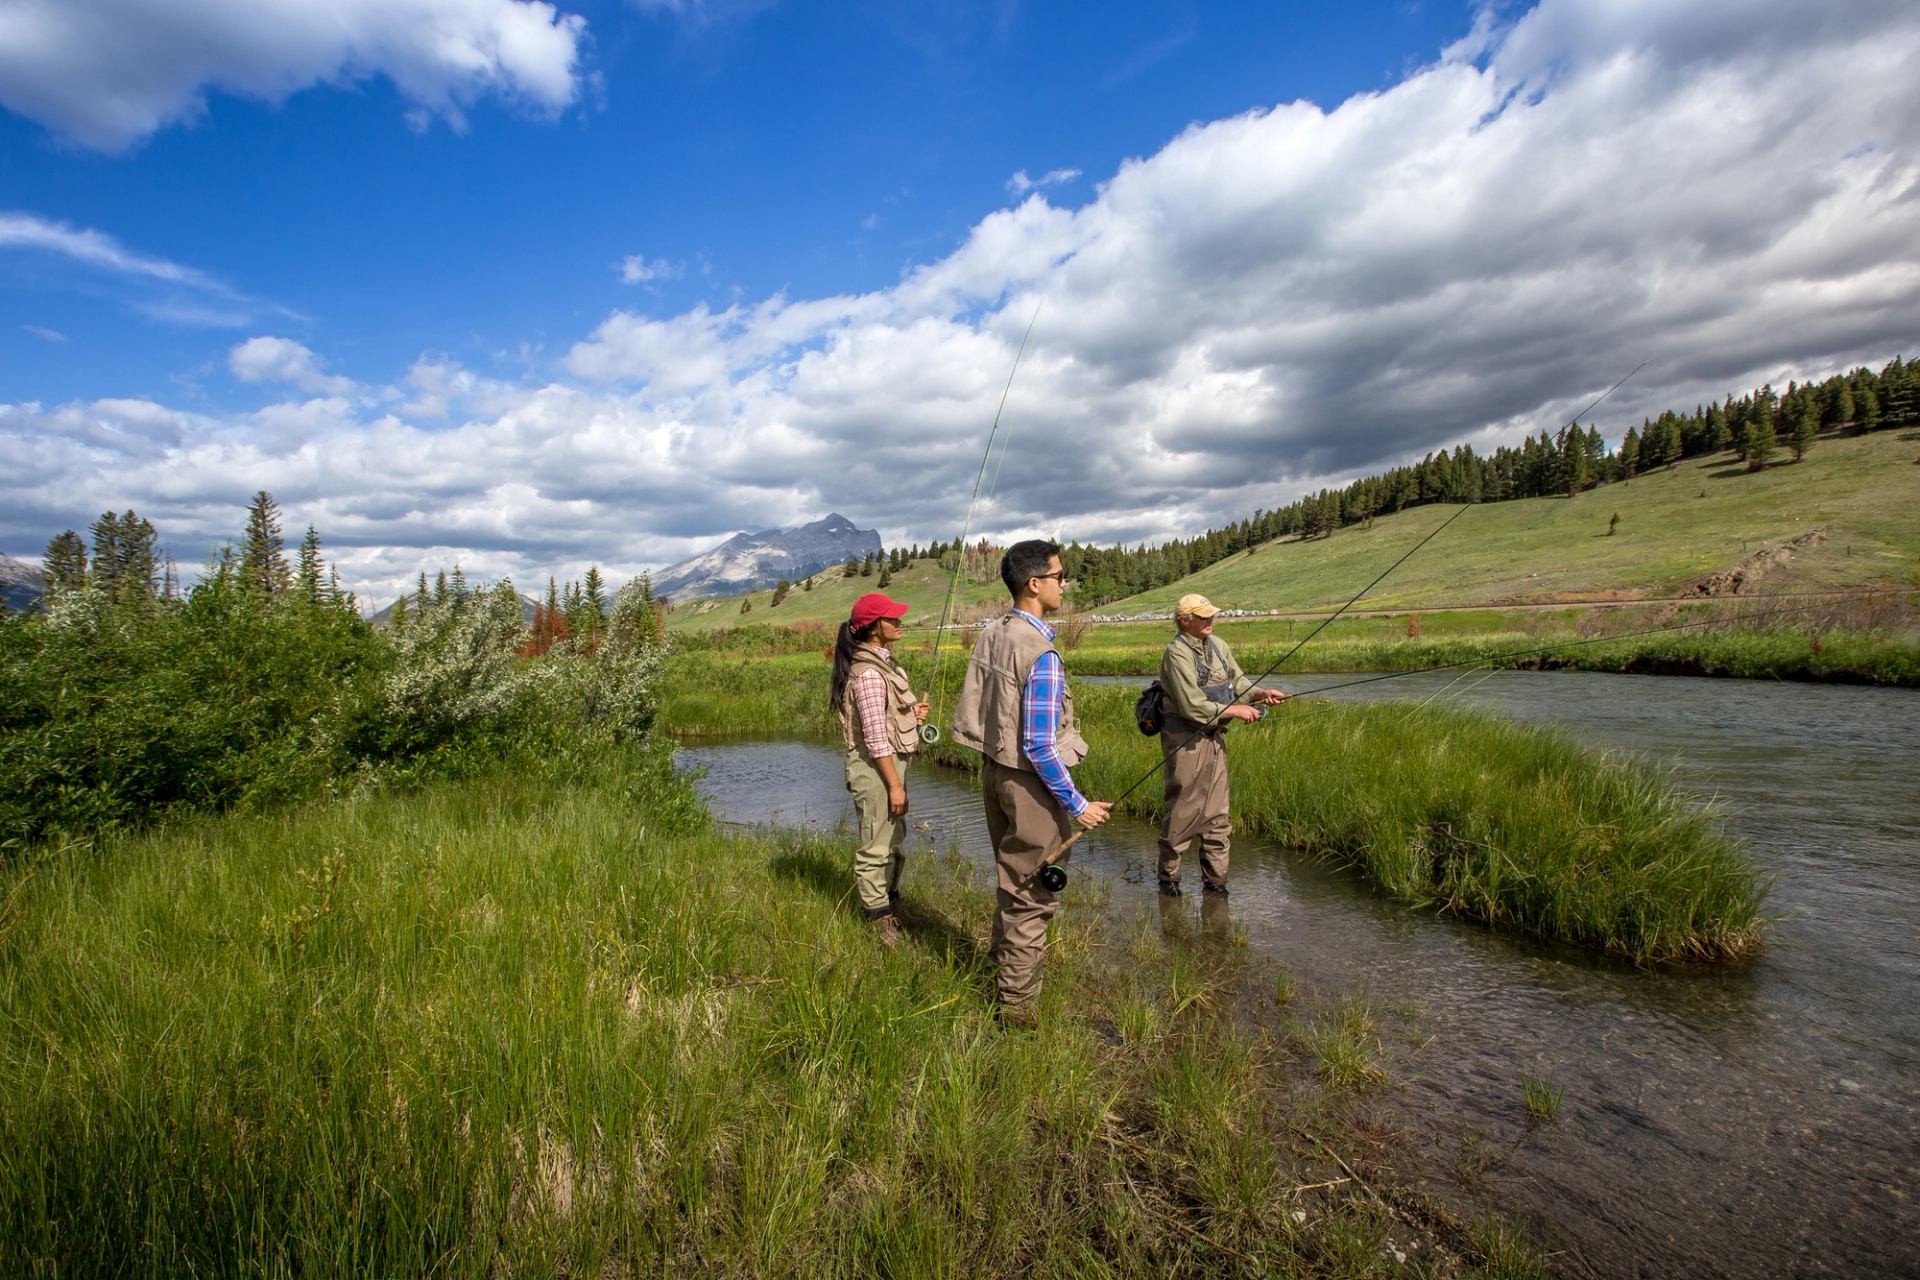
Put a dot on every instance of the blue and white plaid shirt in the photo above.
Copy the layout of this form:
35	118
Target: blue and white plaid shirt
1040	711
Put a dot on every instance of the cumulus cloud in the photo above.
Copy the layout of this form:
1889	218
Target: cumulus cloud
268	359
635	268
1020	184
106	73
1267	304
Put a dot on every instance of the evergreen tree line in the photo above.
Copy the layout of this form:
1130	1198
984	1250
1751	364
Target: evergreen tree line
127	570
1757	427
125	697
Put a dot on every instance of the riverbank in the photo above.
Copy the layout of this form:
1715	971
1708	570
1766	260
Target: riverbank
555	1024
1437	807
1880	645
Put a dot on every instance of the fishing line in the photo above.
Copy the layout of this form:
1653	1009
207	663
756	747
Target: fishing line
930	731
1054	876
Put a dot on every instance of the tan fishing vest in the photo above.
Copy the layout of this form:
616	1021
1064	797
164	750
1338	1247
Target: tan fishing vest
903	727
987	716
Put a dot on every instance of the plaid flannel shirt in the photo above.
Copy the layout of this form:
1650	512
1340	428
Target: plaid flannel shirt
869	690
1040	711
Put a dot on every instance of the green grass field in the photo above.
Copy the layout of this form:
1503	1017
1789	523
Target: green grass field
1676	528
923	585
536	1026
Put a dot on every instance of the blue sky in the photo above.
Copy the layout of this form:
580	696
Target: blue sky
534	287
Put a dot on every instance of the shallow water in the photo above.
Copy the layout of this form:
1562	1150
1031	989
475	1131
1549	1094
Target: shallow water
1758	1121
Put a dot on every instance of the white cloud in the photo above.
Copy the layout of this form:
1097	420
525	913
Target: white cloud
44	334
1267	304
106	73
267	359
636	269
166	291
1020	184
96	249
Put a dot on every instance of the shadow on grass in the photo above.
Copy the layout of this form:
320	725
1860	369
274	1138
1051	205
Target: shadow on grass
928	928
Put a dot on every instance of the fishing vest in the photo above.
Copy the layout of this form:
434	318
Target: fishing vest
987	715
903	727
1208	663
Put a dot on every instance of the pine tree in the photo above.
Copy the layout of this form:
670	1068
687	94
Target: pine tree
397	616
593	596
1867	407
886	576
440	587
866	566
65	563
1805	423
780	590
107	566
263	561
306	575
420	597
1629	455
1761	443
1839	404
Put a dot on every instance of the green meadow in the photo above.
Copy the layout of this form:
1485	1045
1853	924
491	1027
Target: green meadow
1676	528
549	1022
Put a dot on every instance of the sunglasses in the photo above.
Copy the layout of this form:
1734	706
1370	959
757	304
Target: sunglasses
1042	577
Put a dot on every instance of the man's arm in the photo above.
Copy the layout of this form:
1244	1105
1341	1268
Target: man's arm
1245	685
1040	731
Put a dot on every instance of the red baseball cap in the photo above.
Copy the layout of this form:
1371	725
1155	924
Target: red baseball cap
874	605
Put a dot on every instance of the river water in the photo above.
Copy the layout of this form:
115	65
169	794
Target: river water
1763	1120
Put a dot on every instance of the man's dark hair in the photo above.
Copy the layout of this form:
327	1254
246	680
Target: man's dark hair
1025	560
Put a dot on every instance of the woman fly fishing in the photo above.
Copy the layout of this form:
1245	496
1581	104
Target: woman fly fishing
880	717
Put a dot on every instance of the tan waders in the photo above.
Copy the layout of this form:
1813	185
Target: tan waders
1025	825
878	861
1196	772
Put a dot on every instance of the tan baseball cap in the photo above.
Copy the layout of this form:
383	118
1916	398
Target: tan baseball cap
1194	606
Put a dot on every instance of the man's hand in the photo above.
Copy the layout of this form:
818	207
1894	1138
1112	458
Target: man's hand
897	800
1269	697
1240	711
1096	812
920	711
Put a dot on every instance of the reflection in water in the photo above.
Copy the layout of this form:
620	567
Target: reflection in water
1760	1120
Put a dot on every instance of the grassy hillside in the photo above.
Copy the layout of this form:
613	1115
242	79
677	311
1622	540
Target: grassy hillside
1704	517
922	585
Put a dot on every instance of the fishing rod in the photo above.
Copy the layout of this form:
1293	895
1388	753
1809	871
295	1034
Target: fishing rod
930	731
1054	876
1555	646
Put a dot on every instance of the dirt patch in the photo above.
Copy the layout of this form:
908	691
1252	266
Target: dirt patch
1742	578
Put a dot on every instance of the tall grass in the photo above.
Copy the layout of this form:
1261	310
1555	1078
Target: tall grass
1515	826
544	1026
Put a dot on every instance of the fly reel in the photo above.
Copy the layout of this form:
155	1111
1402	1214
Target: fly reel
929	733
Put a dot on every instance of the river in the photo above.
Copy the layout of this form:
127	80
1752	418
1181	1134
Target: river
1762	1120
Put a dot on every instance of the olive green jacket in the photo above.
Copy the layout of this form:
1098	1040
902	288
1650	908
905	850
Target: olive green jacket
1189	696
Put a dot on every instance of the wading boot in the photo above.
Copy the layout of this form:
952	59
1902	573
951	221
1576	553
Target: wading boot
1210	886
1170	887
906	918
886	932
1017	1017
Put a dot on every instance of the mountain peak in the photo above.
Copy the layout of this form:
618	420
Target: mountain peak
752	561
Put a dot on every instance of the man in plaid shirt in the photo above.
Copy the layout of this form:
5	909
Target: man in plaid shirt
1015	709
